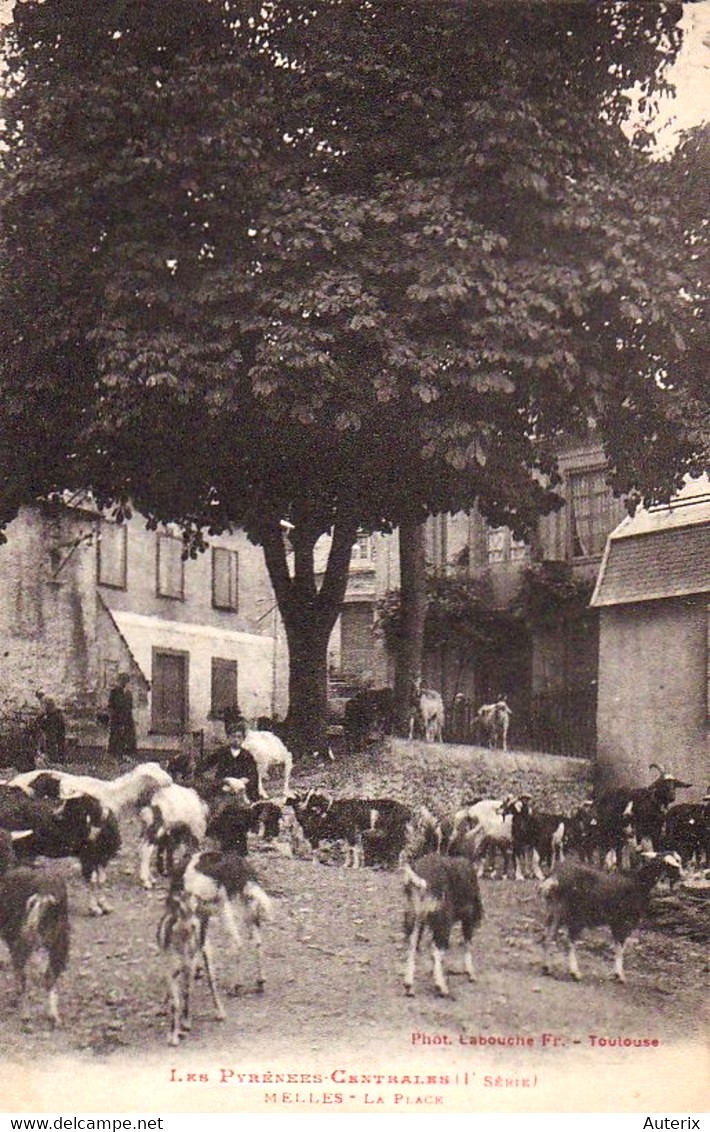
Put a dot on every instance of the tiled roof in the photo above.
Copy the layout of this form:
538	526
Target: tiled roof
660	553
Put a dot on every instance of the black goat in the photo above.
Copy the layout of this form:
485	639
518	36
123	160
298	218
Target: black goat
580	897
34	916
582	832
686	831
369	712
333	819
624	814
440	892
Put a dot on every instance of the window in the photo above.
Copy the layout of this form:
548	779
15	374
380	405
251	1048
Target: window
225	578
592	514
502	547
225	686
363	550
112	543
170	567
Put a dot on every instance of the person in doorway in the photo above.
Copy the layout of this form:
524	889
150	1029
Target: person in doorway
121	726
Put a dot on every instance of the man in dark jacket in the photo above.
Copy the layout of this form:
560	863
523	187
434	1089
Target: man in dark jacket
230	761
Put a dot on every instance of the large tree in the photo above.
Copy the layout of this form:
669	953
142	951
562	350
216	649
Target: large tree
346	264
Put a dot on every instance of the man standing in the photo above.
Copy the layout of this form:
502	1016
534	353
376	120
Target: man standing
121	727
51	724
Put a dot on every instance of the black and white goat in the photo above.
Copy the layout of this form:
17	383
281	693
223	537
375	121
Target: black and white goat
228	884
686	830
323	818
79	826
578	897
440	892
34	917
173	810
182	936
538	834
232	819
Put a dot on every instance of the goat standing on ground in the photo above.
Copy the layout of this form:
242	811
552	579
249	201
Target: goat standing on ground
182	935
426	714
221	881
440	892
579	897
34	916
495	722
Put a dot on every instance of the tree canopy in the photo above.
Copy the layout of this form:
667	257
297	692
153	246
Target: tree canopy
347	263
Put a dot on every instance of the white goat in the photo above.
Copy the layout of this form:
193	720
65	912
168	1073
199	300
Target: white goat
426	713
170	807
268	751
495	721
489	829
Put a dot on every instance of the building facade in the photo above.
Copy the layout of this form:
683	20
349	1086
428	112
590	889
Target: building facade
83	597
547	667
653	600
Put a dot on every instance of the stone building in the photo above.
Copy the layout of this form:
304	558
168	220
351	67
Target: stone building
83	597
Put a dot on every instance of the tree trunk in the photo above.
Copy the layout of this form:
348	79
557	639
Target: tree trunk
309	615
413	606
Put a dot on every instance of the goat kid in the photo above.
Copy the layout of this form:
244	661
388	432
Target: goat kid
440	892
579	896
182	935
223	882
34	916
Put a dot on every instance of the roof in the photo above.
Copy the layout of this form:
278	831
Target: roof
660	552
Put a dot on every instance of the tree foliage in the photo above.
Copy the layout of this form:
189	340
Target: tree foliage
346	263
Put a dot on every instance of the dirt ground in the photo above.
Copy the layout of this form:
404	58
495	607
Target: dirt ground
334	955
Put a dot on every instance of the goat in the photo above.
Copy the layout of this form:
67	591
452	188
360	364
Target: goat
579	896
267	751
323	818
440	892
369	710
218	882
582	832
182	934
172	806
494	720
231	821
80	826
34	916
131	789
489	829
686	831
426	713
540	834
386	840
622	813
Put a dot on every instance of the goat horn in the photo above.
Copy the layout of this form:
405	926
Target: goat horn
656	766
18	834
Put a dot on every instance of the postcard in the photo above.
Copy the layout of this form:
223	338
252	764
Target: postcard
370	268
